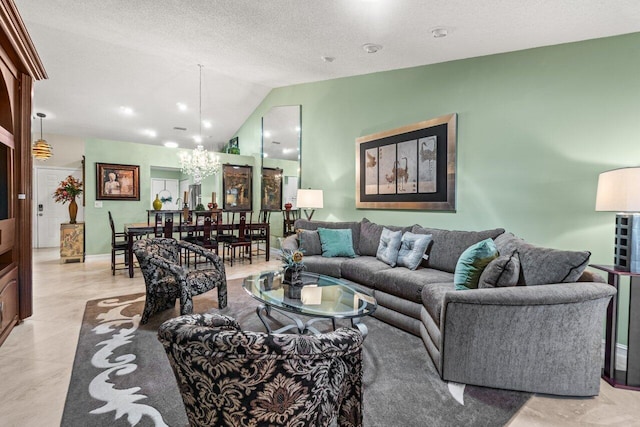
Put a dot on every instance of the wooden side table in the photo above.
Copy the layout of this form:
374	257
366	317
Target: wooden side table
72	242
629	378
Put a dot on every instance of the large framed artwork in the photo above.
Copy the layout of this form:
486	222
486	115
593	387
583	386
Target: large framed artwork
412	167
117	182
271	197
237	184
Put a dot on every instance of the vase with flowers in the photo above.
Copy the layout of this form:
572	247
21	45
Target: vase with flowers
69	189
293	266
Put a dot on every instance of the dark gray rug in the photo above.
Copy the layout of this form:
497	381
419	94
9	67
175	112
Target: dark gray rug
122	377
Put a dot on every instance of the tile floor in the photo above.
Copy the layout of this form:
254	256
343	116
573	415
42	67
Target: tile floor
36	359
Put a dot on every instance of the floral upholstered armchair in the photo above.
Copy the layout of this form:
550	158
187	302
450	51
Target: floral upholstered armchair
230	377
166	280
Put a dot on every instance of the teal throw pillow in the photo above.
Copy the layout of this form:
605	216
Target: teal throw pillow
389	246
336	242
472	263
412	249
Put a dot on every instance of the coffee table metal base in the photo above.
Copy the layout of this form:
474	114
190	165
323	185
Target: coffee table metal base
302	328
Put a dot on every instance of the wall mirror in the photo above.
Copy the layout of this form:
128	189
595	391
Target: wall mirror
281	150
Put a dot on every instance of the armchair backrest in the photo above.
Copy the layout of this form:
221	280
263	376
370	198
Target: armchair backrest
255	378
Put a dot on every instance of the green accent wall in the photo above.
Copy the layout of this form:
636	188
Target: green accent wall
535	128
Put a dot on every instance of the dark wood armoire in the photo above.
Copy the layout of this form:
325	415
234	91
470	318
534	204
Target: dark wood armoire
19	67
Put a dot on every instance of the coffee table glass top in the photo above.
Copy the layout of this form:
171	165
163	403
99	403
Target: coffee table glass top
320	296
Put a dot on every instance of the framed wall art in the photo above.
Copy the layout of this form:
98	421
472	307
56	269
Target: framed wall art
412	167
117	182
271	192
237	184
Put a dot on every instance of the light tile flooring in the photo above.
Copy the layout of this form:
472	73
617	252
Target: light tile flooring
36	359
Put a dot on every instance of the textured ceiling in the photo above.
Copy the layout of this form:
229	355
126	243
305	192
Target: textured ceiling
101	55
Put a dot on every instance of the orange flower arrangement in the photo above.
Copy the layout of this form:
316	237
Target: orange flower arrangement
69	189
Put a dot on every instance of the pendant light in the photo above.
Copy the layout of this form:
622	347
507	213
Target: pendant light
41	149
199	163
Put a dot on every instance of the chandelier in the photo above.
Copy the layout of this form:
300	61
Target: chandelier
41	149
199	163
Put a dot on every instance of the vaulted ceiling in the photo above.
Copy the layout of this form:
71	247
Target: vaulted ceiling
102	55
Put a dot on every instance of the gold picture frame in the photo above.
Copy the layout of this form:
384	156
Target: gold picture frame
412	167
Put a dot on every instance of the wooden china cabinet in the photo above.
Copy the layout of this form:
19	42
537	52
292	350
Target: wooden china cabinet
19	67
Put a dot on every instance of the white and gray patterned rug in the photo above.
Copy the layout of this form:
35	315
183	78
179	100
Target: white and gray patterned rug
121	376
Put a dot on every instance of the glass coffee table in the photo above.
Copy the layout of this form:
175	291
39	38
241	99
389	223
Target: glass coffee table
320	298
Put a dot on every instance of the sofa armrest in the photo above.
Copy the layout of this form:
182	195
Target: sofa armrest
290	243
544	339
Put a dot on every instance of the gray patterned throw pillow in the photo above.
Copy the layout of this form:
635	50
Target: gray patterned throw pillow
412	249
389	246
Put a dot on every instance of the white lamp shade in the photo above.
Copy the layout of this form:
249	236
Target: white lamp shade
309	199
619	190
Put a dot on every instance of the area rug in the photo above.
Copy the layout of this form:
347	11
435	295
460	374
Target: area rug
121	376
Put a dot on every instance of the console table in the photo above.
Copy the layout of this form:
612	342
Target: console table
629	378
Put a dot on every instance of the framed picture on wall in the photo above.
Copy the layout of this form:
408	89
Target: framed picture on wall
117	182
237	184
271	192
412	167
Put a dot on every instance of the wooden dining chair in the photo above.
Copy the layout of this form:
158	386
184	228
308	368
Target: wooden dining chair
119	246
257	232
163	225
240	241
289	218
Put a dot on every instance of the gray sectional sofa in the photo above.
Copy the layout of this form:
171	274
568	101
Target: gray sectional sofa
543	335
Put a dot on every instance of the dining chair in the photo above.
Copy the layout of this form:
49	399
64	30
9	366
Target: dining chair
163	225
240	241
119	242
289	219
205	233
257	232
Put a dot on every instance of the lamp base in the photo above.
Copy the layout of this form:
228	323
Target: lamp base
310	215
627	243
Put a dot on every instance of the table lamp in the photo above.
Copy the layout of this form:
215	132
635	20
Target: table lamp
309	199
619	191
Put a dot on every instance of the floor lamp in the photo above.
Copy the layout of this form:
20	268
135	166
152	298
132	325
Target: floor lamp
619	191
309	199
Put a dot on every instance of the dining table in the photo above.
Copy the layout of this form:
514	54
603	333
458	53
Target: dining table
135	231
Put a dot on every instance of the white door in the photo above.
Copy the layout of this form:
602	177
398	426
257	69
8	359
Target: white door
166	189
48	215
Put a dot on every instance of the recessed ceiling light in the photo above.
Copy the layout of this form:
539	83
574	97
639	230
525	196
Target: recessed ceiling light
267	134
265	155
371	47
181	106
439	32
197	139
150	133
126	110
297	128
328	58
171	144
206	124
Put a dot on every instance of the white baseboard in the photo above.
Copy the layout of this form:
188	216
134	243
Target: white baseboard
621	356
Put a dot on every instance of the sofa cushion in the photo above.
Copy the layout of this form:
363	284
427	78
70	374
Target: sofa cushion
362	269
309	242
327	266
370	236
336	242
472	263
314	225
412	249
448	245
502	271
407	284
540	266
389	246
433	298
